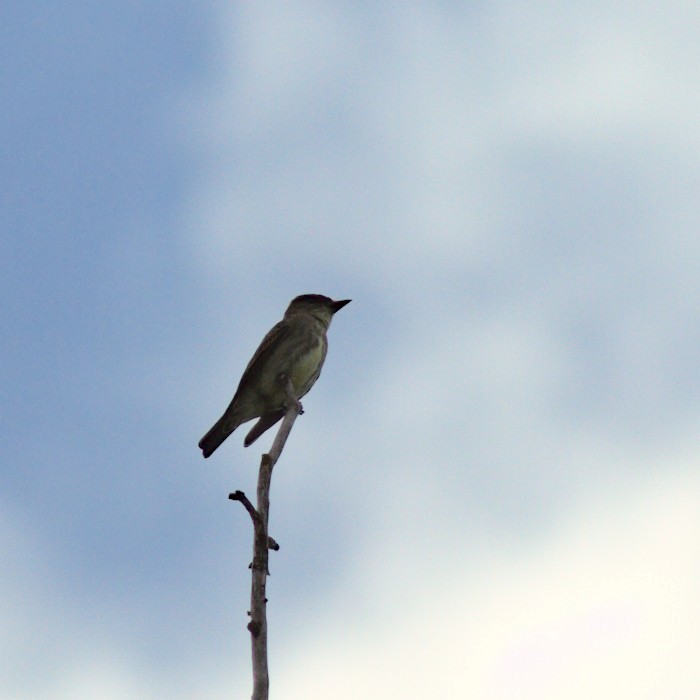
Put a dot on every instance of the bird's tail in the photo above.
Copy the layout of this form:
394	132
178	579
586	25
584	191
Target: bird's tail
218	433
267	420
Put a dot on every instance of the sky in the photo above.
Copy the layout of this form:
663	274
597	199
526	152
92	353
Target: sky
493	490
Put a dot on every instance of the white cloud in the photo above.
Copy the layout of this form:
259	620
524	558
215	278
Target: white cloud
390	146
605	606
485	182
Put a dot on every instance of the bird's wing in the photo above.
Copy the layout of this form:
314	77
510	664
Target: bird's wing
262	355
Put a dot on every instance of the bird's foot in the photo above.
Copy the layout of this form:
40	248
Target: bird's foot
291	402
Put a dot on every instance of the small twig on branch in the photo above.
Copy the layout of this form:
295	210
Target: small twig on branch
240	496
254	515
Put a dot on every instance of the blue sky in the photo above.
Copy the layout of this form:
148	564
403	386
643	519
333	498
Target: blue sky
493	491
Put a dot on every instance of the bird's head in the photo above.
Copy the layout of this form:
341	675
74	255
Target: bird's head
317	305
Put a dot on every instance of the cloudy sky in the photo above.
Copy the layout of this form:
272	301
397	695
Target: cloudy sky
493	493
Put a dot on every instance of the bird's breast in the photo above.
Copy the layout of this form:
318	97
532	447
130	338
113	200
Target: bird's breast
306	369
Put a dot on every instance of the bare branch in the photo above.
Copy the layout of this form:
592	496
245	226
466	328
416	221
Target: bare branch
262	543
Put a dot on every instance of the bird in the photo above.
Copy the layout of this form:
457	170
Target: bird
283	369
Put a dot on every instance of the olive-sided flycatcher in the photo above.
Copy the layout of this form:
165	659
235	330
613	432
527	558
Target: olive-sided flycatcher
293	351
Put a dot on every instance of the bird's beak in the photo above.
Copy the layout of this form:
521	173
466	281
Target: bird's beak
337	305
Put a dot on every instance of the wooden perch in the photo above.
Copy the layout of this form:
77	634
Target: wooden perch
262	543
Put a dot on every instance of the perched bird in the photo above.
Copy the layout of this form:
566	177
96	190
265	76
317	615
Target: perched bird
293	351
